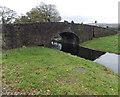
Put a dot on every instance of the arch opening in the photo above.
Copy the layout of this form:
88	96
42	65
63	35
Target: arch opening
64	38
70	38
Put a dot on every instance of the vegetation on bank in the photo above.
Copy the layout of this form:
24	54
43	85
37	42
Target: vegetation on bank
39	70
108	44
58	38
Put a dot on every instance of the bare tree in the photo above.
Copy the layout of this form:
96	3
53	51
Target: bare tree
7	15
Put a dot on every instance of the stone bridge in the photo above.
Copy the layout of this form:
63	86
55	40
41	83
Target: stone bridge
32	34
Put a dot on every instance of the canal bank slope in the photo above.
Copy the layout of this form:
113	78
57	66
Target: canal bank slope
39	70
107	44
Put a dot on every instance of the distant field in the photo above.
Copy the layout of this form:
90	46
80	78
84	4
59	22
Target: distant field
108	44
114	28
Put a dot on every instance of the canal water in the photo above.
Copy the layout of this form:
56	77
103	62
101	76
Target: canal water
109	60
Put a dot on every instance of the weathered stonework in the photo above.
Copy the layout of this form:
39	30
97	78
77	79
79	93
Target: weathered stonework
31	34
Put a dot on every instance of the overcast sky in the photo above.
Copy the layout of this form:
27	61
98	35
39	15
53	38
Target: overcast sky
87	11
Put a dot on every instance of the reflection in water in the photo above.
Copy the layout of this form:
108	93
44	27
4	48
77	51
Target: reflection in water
77	50
81	51
57	45
107	59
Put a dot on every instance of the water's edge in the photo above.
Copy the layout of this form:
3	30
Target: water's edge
107	59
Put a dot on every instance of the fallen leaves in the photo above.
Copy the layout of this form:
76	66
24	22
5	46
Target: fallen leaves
16	81
19	90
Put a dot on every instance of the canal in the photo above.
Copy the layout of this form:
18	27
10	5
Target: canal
109	60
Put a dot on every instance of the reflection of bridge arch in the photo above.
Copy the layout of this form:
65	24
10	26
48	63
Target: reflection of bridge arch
69	37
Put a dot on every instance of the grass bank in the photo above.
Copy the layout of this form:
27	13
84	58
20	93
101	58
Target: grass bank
39	70
108	44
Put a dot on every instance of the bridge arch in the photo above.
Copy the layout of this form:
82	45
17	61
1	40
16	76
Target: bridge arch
31	34
68	37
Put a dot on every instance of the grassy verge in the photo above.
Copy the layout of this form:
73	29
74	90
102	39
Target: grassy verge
58	38
39	70
108	44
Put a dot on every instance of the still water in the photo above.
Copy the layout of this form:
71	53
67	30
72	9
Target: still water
109	60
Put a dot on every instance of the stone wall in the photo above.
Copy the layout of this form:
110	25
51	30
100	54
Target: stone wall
85	32
31	34
18	35
101	32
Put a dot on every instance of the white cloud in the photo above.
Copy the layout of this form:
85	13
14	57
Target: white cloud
100	10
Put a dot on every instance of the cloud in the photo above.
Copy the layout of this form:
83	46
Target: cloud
77	19
102	10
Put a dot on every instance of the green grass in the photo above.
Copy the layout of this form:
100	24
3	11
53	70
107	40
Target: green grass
108	44
39	70
58	38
